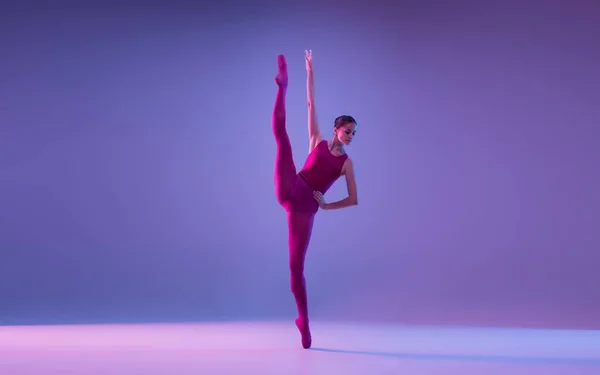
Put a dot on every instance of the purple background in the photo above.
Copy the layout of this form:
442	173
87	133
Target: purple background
136	162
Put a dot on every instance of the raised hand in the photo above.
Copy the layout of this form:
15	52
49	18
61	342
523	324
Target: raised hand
308	58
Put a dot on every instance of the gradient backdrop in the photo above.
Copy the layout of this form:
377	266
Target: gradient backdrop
136	161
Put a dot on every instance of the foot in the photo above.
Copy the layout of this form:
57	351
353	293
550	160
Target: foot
304	332
282	76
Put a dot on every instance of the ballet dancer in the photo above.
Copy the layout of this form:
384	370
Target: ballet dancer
302	194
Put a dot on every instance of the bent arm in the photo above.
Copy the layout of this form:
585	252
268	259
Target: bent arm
314	135
352	198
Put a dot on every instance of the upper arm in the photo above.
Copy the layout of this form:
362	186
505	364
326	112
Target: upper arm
313	141
314	135
348	171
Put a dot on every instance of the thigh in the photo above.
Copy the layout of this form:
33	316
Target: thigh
285	169
300	227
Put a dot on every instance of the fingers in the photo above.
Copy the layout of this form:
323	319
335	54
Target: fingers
318	196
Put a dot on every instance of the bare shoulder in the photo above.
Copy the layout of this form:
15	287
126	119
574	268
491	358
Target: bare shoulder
348	167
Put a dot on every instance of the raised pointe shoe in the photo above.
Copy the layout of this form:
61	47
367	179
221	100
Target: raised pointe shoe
282	75
304	332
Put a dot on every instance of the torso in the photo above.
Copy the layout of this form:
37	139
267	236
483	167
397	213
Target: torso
322	167
338	154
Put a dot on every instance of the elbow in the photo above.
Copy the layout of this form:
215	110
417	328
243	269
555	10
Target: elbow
354	201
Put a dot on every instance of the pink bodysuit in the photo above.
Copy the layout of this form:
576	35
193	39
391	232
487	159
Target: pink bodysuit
294	191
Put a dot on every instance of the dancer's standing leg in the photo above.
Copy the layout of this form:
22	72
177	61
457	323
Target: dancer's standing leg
300	228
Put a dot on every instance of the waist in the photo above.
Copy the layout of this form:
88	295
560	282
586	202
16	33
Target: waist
317	184
305	179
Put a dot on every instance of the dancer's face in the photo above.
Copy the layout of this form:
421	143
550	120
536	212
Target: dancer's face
345	133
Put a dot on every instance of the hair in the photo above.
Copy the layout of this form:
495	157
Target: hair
343	120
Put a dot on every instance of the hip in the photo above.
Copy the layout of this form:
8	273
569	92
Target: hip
301	198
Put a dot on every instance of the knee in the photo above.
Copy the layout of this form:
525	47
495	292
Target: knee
296	281
296	268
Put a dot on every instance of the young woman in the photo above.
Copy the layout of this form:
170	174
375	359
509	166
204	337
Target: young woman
301	194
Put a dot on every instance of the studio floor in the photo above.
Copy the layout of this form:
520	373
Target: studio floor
274	348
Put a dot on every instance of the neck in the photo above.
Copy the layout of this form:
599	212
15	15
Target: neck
335	144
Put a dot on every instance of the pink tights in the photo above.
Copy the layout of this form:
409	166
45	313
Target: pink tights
295	196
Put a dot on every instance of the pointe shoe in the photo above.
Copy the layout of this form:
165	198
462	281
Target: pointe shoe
282	75
305	333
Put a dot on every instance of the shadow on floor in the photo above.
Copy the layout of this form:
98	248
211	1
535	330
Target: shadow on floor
585	361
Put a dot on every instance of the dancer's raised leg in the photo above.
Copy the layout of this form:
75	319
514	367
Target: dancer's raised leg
299	231
285	170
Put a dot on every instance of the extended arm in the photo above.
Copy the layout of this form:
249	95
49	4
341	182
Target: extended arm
352	198
314	136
